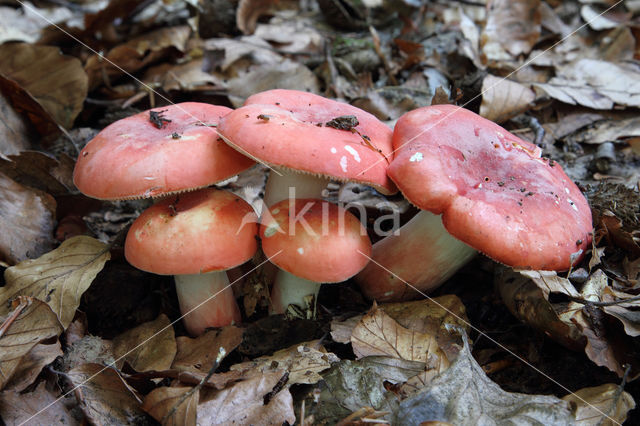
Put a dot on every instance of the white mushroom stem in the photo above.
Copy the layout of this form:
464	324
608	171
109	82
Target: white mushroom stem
304	186
423	254
291	290
219	308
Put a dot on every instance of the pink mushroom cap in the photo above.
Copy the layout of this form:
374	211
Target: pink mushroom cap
493	189
287	128
137	158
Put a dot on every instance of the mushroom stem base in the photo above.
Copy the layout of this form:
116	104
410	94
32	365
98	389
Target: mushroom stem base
283	184
423	254
291	290
219	308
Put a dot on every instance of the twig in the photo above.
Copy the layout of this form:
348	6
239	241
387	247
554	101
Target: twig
383	58
598	303
22	303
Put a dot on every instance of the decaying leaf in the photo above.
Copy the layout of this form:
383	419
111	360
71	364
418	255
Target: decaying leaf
88	350
379	334
591	403
103	395
249	11
610	130
40	171
149	346
199	355
59	277
503	99
171	406
26	408
512	28
32	363
15	135
28	219
464	395
303	362
245	403
35	322
57	83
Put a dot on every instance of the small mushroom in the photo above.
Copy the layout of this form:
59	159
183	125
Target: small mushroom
196	237
495	194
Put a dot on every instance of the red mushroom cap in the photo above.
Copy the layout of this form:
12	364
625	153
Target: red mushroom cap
134	158
201	231
327	250
494	191
287	128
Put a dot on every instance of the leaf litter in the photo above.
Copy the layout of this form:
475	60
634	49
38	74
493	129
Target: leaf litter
401	363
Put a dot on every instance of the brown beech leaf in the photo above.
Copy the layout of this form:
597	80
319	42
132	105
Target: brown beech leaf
15	134
35	323
149	346
136	54
249	11
32	363
513	27
592	402
59	277
379	334
198	355
41	171
104	396
244	402
303	362
503	99
56	82
24	408
28	221
170	407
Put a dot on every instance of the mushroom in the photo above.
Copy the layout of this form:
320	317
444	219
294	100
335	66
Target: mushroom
495	194
312	242
196	237
309	140
157	152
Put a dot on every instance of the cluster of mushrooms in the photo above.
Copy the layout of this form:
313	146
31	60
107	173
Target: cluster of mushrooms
479	188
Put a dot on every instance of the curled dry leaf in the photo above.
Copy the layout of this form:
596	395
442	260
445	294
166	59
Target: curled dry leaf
149	346
244	402
28	219
25	408
59	277
249	11
590	403
35	323
610	130
103	395
503	99
379	334
512	28
303	362
41	171
48	86
15	135
198	355
626	313
32	363
171	406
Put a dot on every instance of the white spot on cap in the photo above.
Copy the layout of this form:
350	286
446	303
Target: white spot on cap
573	205
343	163
417	157
353	152
276	211
566	190
333	150
149	178
300	250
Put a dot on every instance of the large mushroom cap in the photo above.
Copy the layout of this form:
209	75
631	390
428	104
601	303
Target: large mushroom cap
315	240
139	157
196	232
288	128
493	189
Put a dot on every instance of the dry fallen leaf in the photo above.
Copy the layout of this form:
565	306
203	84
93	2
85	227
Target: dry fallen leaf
503	99
249	11
35	322
18	409
512	28
379	334
198	355
170	406
149	346
303	362
56	82
15	134
28	219
40	171
592	402
32	363
104	397
58	277
244	402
